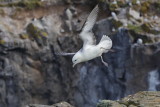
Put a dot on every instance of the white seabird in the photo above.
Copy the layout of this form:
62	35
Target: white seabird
90	49
139	41
114	16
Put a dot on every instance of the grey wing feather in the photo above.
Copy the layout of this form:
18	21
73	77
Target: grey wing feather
64	54
86	35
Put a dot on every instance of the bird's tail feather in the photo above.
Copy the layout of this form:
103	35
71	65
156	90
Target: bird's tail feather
104	37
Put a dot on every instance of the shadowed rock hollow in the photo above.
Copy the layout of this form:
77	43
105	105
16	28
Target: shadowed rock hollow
30	72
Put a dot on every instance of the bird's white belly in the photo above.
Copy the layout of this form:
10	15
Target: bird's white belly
92	53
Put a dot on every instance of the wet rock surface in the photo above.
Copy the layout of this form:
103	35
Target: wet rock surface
31	72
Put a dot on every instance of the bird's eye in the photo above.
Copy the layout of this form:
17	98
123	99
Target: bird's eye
75	60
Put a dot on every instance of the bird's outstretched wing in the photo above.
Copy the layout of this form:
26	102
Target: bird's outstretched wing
64	54
86	35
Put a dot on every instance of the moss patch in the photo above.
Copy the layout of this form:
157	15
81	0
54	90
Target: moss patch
2	42
136	29
44	34
145	7
113	7
147	28
35	32
29	4
24	36
135	36
116	24
121	3
134	2
144	28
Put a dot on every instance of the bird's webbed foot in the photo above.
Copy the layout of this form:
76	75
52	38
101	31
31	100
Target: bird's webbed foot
105	63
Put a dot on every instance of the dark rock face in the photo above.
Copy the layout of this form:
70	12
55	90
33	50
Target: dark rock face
30	72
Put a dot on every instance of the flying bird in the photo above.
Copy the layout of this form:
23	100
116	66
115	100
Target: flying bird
90	49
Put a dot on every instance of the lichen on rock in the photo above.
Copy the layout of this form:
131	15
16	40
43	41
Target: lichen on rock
27	4
145	7
24	36
136	29
142	29
2	42
36	33
113	7
116	24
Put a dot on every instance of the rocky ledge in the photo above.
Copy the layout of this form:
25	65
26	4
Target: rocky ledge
61	104
140	99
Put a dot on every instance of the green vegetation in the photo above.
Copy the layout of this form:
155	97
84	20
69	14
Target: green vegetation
35	32
134	2
2	42
24	36
44	34
143	28
116	24
113	7
135	28
29	4
121	3
137	32
145	7
147	28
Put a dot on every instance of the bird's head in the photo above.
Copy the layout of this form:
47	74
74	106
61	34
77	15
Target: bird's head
77	58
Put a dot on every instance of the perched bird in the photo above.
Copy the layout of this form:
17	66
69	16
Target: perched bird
90	50
114	16
139	41
69	14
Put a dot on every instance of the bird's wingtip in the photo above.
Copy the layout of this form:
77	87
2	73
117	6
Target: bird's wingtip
97	6
105	37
